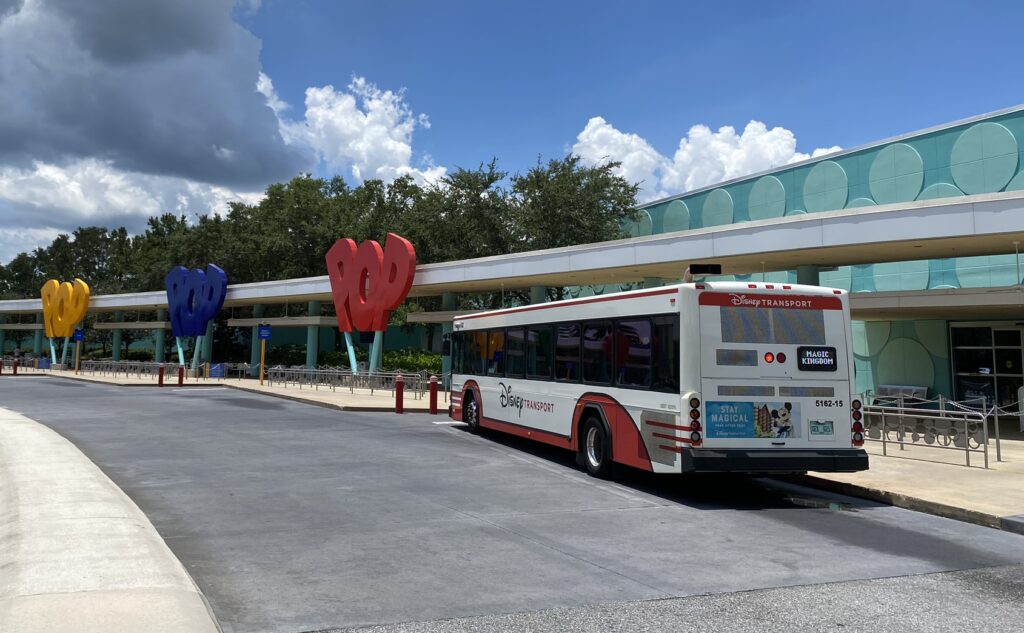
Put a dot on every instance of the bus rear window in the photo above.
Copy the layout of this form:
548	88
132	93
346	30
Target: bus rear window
772	326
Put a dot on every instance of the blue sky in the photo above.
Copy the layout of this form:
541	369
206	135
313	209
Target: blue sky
517	79
112	111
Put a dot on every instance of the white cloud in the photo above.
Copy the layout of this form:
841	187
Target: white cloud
703	157
362	129
38	202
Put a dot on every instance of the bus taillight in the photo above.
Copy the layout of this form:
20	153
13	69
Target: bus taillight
769	357
696	438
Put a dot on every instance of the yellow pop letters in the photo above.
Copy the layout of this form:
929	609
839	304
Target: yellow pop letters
64	305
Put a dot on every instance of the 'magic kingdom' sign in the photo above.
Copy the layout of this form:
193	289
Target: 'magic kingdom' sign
368	282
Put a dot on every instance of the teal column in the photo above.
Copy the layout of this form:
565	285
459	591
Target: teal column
448	304
116	344
37	338
160	338
254	351
538	294
208	341
809	275
3	341
313	336
653	282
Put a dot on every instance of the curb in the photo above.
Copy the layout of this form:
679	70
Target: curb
414	408
1009	524
79	554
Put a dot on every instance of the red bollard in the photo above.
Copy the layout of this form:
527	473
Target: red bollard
1	367
181	375
399	394
160	376
433	395
14	368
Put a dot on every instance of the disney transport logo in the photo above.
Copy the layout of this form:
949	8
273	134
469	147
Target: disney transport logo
509	400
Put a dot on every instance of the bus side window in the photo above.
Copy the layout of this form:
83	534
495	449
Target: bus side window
456	352
496	353
633	353
666	353
515	348
476	353
538	352
597	352
567	352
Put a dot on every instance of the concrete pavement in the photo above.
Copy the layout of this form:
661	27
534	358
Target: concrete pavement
76	554
296	518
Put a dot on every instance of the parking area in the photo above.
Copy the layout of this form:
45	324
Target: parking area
296	518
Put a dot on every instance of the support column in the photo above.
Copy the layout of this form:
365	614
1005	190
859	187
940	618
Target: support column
3	341
208	342
809	275
538	294
312	336
448	304
653	282
116	342
254	351
160	338
37	338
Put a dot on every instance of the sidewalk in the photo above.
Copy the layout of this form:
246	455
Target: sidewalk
341	398
937	482
78	555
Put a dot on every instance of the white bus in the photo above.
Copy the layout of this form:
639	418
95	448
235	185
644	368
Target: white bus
696	377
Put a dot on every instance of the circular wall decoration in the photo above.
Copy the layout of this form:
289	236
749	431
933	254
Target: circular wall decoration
677	217
904	361
896	174
934	335
940	190
912	275
643	224
869	337
717	208
841	277
984	158
826	187
861	202
790	212
1017	183
767	199
985	271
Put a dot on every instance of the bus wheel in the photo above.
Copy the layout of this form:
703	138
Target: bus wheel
471	414
596	445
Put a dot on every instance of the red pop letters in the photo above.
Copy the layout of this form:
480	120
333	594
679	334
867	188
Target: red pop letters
368	282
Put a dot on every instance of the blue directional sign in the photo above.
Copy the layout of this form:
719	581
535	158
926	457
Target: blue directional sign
79	335
264	332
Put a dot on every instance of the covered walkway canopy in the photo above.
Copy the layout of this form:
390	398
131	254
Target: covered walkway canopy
986	224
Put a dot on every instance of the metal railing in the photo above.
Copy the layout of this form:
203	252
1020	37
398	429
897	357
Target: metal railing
334	378
955	428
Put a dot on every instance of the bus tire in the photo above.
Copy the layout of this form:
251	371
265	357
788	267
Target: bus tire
596	448
471	413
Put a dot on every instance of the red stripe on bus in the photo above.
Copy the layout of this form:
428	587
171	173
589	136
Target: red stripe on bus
674	449
666	425
763	301
671	437
546	437
574	302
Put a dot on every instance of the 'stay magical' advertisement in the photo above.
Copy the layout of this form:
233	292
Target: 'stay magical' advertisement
732	420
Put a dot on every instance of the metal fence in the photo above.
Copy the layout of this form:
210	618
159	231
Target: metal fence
334	378
950	429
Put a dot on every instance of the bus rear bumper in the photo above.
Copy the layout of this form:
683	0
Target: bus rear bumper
739	460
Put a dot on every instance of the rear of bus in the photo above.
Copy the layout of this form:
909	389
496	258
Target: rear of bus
776	380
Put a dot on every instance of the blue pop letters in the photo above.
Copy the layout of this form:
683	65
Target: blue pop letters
194	297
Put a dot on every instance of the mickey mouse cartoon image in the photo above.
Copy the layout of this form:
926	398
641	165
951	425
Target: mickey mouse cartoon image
781	421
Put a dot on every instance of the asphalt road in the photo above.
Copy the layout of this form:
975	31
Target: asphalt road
295	518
